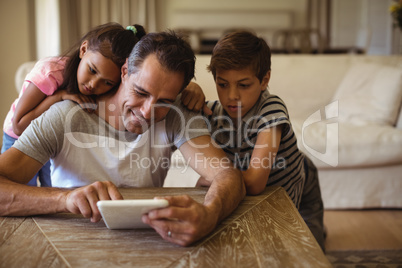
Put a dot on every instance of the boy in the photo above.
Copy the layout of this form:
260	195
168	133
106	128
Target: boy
253	127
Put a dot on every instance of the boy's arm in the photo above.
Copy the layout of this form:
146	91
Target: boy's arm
262	158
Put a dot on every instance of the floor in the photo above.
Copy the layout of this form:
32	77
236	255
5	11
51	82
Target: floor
363	229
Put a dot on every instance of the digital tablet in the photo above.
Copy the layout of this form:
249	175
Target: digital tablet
126	214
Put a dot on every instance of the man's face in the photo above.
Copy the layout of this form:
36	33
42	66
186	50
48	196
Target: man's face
147	94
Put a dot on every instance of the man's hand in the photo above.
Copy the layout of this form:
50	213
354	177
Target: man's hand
183	222
83	200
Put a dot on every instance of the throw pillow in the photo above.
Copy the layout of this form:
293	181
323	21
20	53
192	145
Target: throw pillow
370	94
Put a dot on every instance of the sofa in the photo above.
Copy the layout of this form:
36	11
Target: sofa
347	116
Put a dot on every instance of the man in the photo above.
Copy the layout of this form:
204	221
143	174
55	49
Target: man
98	151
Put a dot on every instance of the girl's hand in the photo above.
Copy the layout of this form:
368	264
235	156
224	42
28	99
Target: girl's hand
85	102
194	99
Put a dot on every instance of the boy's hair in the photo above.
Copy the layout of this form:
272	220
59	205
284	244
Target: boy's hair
111	40
172	51
239	50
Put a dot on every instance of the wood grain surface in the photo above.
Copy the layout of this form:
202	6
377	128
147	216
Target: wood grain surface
265	231
23	244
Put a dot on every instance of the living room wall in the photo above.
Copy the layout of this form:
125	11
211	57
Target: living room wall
15	48
363	25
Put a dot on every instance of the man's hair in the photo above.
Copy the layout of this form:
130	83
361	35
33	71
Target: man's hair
172	51
239	50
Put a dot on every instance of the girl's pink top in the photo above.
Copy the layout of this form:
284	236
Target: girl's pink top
47	75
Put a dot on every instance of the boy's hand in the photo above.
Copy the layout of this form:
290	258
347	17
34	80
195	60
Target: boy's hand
194	99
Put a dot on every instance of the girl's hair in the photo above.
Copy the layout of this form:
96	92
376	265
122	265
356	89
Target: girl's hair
111	40
239	50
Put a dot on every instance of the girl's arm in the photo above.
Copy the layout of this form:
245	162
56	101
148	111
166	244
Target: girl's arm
264	153
34	102
24	112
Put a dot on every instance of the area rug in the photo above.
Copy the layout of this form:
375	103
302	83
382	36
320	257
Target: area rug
365	258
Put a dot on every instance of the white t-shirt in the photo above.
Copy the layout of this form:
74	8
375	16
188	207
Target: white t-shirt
84	148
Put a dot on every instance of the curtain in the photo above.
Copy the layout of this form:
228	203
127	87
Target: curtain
86	14
77	17
318	12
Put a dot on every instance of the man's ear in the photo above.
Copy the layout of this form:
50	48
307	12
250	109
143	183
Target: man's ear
124	69
265	80
83	48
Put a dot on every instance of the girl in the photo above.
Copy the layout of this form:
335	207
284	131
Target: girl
91	67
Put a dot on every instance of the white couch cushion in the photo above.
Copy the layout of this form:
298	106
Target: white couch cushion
355	146
306	82
370	93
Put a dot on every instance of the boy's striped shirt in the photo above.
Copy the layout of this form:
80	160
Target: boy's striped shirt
239	142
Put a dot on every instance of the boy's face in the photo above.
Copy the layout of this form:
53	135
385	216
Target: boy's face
239	90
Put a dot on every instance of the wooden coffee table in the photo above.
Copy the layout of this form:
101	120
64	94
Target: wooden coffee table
264	231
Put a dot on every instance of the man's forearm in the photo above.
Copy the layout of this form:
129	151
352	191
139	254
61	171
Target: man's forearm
22	200
227	190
